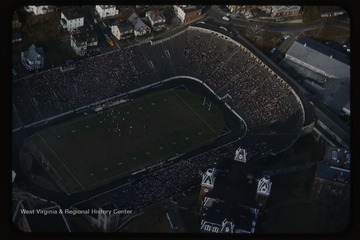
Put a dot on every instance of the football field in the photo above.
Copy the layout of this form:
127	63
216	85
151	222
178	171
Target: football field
98	148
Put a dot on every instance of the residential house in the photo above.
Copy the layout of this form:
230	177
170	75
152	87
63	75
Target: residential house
140	28
285	11
187	13
83	41
157	20
106	11
38	10
242	9
33	59
71	19
122	30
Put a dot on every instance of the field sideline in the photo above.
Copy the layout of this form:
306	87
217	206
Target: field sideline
98	148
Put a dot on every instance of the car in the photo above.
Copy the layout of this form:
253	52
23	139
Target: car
225	18
272	50
286	37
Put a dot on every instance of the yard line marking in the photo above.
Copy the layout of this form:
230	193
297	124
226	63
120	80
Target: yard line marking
60	160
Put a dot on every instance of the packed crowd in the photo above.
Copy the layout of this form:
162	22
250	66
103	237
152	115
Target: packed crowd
258	95
52	92
228	69
164	183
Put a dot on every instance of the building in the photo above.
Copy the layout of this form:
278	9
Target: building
285	11
230	201
187	13
157	20
331	185
242	9
106	11
122	30
263	190
33	214
221	217
207	183
71	19
240	155
319	58
326	72
140	28
237	8
38	10
83	42
33	59
337	157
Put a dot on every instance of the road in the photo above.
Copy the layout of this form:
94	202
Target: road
216	13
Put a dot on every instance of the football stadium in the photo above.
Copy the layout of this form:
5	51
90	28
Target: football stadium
122	112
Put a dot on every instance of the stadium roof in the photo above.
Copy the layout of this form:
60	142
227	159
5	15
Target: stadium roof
321	57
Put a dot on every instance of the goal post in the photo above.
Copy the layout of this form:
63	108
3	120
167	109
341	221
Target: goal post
207	102
45	163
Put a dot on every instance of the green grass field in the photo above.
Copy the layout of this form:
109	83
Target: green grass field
98	148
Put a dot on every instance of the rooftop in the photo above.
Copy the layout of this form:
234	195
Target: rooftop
71	14
332	173
321	57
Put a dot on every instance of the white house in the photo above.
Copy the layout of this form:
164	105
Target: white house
33	59
38	10
140	28
156	19
83	42
106	11
187	13
122	30
71	19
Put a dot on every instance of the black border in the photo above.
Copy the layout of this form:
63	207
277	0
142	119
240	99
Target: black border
11	233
